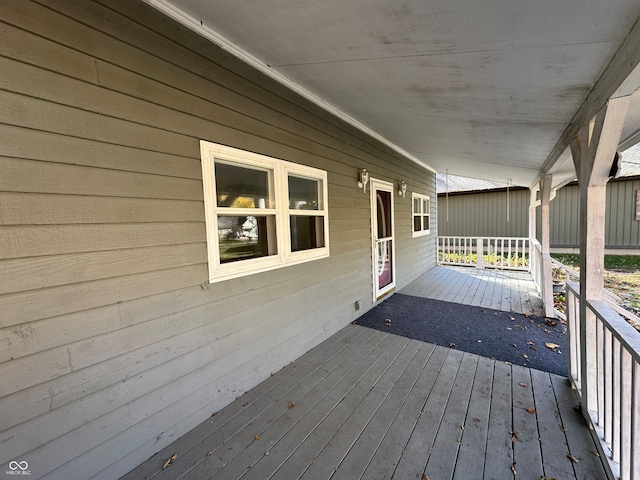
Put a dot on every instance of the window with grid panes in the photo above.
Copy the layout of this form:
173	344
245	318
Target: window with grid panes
421	211
261	213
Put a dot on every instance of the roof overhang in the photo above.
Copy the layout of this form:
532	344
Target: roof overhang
492	90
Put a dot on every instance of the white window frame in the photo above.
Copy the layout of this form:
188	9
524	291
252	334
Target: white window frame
421	214
212	153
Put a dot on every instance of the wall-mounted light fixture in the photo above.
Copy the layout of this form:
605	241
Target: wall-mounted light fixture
363	179
402	189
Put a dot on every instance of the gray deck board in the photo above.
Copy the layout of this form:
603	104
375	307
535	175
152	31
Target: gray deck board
526	447
371	405
474	436
506	290
359	456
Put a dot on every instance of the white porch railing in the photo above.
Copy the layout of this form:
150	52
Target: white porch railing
604	365
535	264
508	253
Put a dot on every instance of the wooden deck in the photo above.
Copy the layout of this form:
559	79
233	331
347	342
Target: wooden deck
372	405
511	291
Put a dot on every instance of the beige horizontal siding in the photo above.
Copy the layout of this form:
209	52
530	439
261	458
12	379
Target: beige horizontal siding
111	340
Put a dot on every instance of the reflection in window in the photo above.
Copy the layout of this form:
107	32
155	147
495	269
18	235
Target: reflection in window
306	232
240	187
261	213
304	193
244	237
384	214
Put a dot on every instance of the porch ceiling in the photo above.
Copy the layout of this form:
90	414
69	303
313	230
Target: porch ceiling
483	89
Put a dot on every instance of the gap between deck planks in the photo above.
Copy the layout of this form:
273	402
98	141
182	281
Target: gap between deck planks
366	404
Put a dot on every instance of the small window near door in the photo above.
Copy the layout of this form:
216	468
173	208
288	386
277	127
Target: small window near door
421	212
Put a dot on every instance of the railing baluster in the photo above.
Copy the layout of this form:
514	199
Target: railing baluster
616	434
608	382
601	372
635	421
625	414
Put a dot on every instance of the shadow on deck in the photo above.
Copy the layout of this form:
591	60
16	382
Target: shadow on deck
373	405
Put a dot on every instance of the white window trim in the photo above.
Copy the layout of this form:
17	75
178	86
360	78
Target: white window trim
423	231
212	152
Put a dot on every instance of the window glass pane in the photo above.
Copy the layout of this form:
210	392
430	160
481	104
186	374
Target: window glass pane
383	200
416	205
425	222
243	237
306	232
304	194
425	206
241	187
417	225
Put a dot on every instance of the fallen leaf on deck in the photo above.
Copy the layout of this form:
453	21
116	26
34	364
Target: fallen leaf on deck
209	454
523	384
292	404
520	326
512	318
572	458
425	477
256	437
170	460
451	344
513	469
551	346
476	419
595	452
514	345
267	453
532	411
532	347
526	357
530	343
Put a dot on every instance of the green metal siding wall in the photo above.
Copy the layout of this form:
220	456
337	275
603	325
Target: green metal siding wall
484	214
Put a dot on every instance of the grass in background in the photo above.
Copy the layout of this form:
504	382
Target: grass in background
621	276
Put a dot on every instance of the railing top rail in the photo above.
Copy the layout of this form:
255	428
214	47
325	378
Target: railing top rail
625	333
569	270
483	236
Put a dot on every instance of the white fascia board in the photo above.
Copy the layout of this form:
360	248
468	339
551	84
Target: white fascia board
178	15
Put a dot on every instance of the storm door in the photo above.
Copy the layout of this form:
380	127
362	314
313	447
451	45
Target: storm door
384	278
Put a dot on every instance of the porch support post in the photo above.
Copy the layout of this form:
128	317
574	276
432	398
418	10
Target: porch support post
547	277
532	212
593	151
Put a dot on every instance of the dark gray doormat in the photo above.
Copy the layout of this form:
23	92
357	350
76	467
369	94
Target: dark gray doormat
505	336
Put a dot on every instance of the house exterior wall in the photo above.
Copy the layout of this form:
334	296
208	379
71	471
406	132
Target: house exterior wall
111	345
484	214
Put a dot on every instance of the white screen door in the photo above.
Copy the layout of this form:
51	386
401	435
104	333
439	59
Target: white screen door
384	271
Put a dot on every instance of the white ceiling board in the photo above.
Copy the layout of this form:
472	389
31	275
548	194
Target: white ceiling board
462	85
